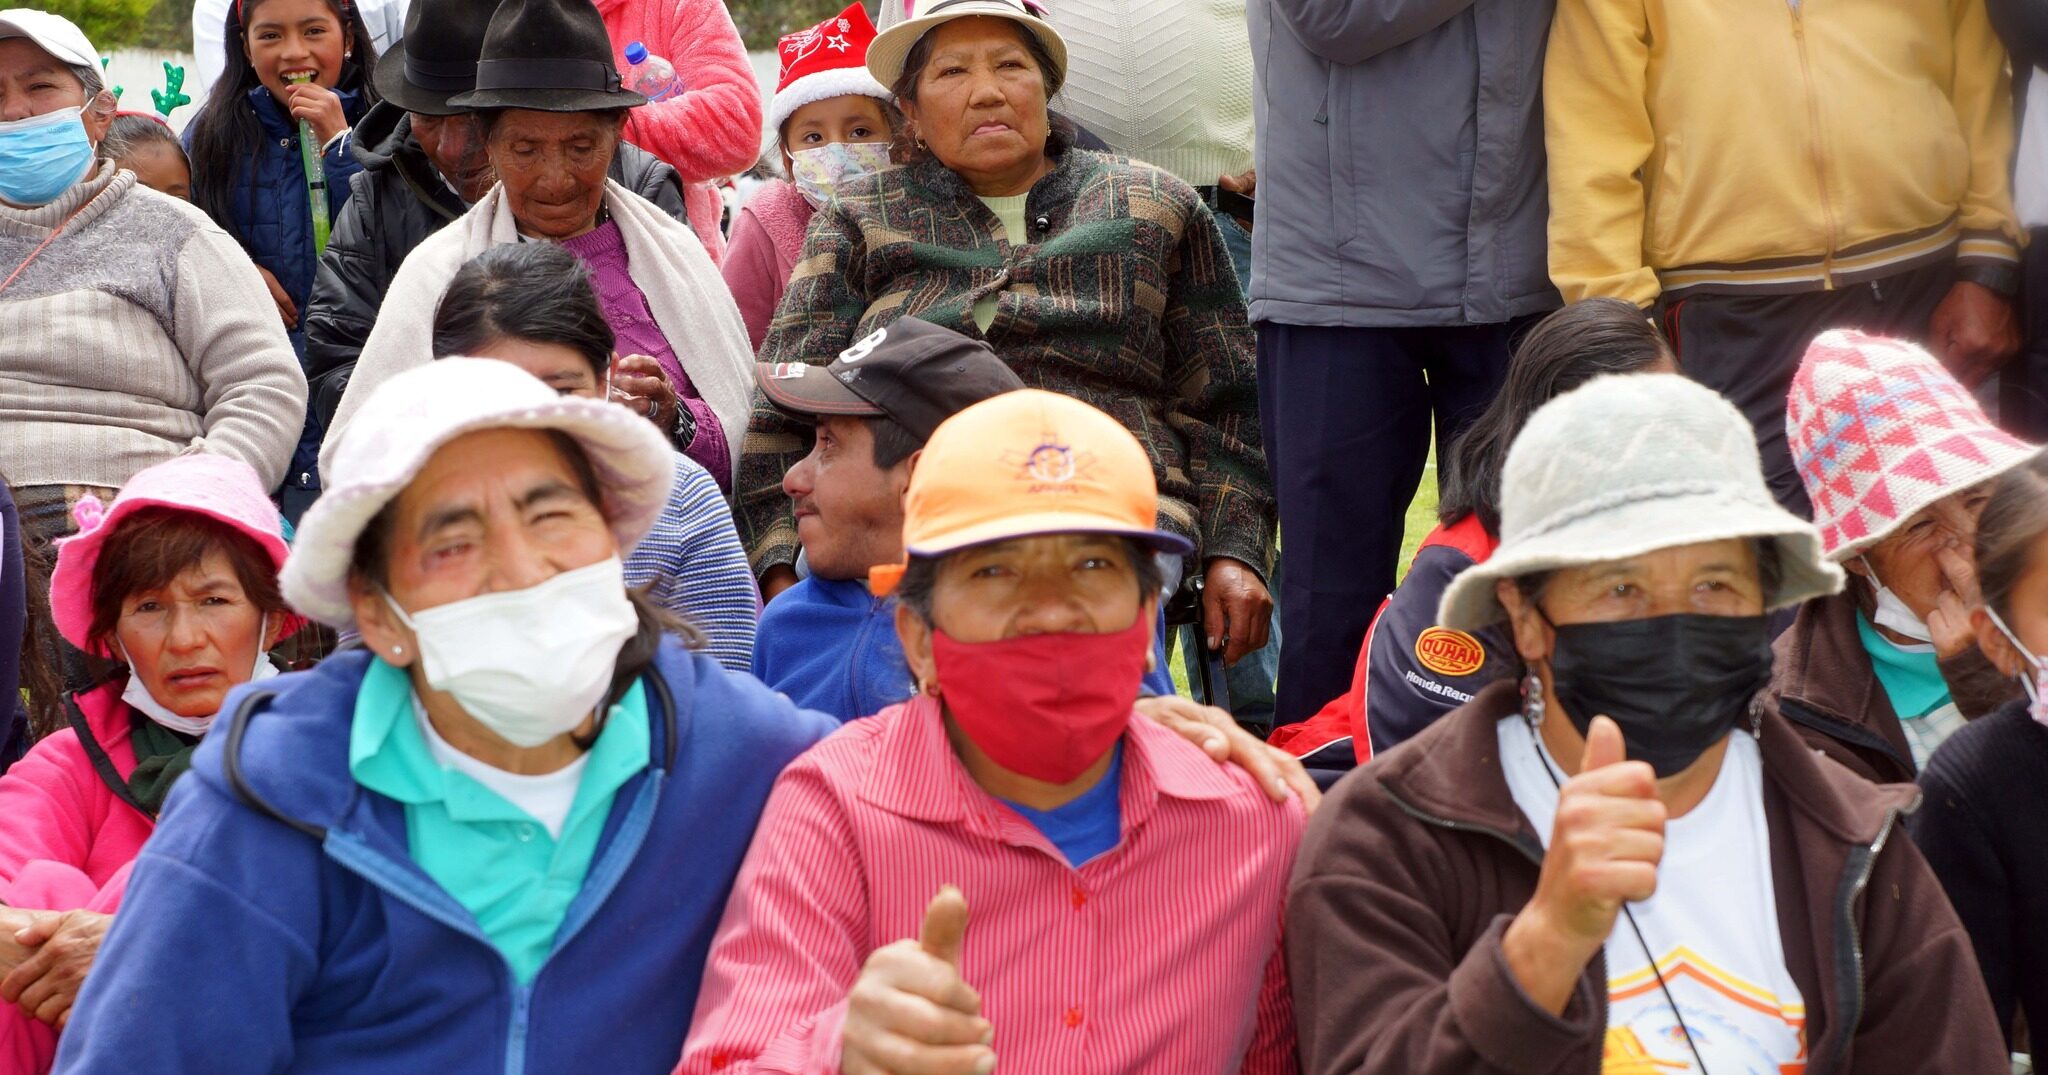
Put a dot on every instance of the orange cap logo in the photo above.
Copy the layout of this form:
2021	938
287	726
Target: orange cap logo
1449	653
1050	466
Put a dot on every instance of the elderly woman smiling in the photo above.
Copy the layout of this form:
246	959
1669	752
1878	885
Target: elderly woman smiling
132	330
548	99
1624	856
1091	275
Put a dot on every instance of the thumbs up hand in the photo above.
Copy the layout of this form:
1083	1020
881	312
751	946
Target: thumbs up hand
1604	849
911	1012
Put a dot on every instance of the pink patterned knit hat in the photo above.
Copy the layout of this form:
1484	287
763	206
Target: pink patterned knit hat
1880	430
225	490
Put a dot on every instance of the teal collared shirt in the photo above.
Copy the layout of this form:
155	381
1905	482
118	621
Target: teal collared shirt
1911	678
493	857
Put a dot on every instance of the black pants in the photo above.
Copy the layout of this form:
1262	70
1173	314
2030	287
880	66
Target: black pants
2023	384
1347	414
1747	347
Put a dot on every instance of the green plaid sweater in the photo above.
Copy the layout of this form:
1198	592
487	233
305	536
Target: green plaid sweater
1124	297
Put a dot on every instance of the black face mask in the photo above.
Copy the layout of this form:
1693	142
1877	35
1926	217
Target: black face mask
1675	684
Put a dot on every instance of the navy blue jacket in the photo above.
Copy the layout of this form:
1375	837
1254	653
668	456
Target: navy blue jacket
303	937
831	645
270	215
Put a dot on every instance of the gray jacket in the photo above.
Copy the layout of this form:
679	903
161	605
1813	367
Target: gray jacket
1400	157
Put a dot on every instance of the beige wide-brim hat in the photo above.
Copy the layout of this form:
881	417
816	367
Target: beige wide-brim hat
409	417
1627	465
885	55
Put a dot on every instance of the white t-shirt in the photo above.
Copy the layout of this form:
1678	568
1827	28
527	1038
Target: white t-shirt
546	797
1713	924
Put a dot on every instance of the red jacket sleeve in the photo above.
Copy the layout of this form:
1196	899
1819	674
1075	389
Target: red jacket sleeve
713	128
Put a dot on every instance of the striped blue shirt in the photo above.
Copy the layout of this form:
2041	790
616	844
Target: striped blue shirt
694	567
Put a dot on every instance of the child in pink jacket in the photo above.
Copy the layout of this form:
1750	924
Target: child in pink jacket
712	129
833	122
197	606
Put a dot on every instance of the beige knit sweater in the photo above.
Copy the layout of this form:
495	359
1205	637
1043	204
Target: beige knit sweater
141	333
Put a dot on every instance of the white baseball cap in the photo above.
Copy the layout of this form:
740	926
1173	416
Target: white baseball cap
54	34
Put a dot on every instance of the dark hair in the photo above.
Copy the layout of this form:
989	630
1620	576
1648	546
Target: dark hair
154	546
892	442
905	147
487	119
922	574
131	133
524	291
226	136
2013	521
41	649
1563	351
370	565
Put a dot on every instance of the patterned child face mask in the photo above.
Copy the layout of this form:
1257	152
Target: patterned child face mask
819	170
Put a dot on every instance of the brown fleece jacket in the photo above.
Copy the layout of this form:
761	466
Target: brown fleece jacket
1414	866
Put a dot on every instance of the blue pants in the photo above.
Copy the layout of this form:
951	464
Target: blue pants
1347	415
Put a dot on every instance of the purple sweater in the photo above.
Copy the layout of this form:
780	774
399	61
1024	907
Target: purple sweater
603	251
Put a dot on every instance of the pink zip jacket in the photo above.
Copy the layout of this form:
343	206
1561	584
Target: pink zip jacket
66	842
712	129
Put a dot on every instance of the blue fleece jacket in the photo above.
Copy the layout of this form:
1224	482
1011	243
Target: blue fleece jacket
830	645
311	942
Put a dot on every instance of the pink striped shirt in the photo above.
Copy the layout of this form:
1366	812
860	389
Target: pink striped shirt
1161	955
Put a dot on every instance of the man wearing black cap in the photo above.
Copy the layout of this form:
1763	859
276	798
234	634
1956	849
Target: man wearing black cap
826	642
423	166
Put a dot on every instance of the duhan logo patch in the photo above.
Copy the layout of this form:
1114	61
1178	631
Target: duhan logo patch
1449	653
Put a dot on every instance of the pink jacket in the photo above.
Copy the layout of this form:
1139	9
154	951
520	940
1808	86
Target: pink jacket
66	842
712	129
767	239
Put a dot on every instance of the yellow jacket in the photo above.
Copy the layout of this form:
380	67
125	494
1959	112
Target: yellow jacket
1772	146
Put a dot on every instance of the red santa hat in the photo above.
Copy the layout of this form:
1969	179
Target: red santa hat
824	61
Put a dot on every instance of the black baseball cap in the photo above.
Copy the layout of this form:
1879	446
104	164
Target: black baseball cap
912	372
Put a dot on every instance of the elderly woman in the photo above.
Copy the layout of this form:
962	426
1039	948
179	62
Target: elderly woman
178	581
498	837
531	304
1898	459
132	329
548	99
1622	859
1090	275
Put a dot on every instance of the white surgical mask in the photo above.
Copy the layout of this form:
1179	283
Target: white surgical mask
529	664
1894	613
2036	679
138	697
819	170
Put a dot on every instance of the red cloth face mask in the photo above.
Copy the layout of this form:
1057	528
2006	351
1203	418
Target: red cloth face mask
1044	706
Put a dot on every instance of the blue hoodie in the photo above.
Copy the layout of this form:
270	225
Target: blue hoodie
830	645
308	940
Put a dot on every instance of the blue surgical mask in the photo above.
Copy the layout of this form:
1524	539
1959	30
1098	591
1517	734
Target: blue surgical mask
41	156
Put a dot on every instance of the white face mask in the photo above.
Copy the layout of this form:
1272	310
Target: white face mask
1895	613
818	170
138	697
2036	679
530	664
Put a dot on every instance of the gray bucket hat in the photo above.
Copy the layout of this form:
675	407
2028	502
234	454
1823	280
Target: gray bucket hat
1626	465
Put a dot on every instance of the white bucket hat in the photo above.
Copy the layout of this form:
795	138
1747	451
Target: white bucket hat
409	417
886	54
1626	465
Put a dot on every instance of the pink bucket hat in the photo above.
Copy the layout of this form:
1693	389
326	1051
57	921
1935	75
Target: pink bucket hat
1879	430
225	490
409	417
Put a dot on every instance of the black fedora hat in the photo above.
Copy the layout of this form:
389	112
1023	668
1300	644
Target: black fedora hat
549	56
436	59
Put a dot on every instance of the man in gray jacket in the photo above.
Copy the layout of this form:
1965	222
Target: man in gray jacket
1399	245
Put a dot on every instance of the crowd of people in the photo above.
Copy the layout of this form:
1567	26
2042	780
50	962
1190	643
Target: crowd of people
473	600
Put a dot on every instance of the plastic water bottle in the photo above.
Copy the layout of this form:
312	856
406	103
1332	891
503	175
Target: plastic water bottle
650	75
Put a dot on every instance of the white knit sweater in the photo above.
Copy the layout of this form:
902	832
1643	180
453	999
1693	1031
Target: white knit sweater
141	333
1168	82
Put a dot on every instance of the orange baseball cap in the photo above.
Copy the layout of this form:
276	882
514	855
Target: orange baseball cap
1022	464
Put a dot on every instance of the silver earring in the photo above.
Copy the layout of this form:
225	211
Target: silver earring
1532	700
397	650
